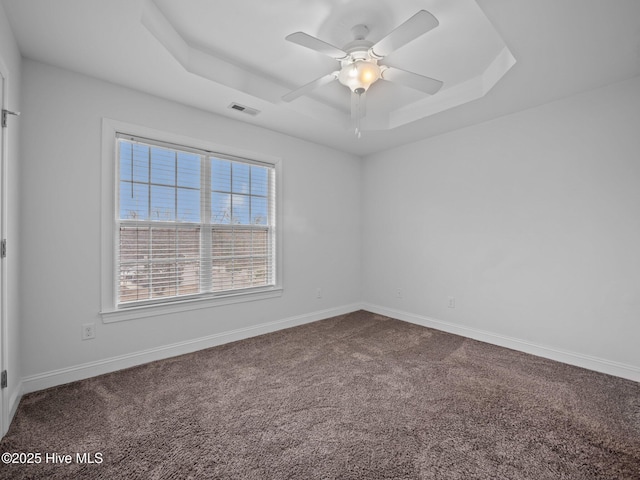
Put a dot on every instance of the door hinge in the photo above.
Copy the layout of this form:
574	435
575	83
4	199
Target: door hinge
3	380
3	248
5	113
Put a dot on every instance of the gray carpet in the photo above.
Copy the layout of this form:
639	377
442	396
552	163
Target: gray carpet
359	396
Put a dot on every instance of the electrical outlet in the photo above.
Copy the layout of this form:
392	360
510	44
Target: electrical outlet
318	293
451	302
88	331
399	293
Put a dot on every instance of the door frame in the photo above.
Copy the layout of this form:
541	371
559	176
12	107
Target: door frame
4	399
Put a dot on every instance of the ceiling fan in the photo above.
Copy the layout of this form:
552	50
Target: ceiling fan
359	67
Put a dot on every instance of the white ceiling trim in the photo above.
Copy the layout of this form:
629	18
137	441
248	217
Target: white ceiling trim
216	69
204	64
263	87
451	97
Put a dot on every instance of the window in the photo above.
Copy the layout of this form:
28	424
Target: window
190	224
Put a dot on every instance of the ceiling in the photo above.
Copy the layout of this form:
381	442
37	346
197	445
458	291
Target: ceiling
494	56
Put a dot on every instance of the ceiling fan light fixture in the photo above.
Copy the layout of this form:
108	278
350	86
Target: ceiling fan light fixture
359	75
359	67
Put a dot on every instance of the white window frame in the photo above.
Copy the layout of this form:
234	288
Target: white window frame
110	311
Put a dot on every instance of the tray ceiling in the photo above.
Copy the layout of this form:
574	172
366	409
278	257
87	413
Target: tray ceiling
494	56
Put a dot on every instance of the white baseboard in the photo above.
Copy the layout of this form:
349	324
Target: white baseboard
79	372
609	367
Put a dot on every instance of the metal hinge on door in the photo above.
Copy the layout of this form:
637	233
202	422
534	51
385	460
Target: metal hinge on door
3	248
5	113
3	380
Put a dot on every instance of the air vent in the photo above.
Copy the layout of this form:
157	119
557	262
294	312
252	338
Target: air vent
243	109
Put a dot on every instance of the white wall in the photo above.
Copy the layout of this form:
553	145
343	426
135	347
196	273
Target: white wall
10	66
60	284
531	221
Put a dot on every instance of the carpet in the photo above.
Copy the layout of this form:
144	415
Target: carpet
359	396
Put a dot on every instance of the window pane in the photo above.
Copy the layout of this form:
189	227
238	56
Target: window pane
259	180
221	208
239	258
260	272
222	261
259	211
220	175
158	262
163	203
134	201
140	155
126	160
163	243
188	170
188	278
242	240
188	243
163	280
260	242
134	244
222	275
240	176
163	166
240	209
221	243
188	205
134	283
133	273
242	275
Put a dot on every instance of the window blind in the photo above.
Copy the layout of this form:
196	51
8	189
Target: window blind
191	223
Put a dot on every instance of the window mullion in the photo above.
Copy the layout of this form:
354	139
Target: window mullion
271	222
205	219
251	266
149	245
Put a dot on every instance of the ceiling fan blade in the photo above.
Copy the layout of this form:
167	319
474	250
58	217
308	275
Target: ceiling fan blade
316	44
412	80
417	25
309	87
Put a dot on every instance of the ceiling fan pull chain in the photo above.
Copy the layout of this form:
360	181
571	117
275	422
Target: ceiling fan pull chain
357	111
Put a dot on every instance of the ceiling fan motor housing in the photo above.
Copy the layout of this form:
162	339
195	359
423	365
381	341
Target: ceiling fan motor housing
359	71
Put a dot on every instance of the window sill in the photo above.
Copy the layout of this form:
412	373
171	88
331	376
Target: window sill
178	306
